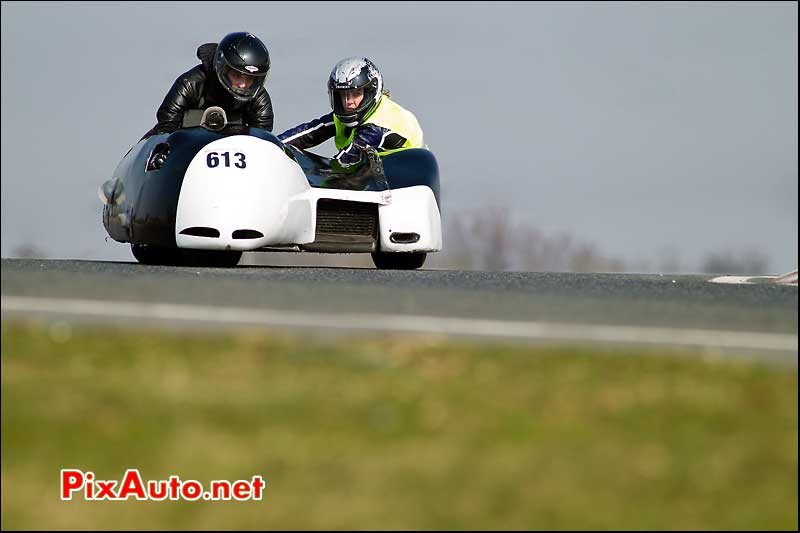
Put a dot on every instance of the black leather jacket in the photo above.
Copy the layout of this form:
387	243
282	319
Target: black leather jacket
199	88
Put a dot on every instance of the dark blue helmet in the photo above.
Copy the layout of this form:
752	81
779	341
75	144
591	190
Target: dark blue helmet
242	64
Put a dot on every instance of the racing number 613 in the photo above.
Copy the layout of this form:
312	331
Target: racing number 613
212	159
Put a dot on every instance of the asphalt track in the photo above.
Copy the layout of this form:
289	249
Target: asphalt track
607	309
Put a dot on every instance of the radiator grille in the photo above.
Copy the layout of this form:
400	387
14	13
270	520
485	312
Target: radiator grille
340	217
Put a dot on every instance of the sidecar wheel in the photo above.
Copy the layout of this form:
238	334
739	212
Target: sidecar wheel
398	260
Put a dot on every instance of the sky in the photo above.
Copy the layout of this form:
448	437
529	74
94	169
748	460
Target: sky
643	128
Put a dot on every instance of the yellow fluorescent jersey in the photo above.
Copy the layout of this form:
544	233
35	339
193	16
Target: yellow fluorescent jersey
396	119
389	128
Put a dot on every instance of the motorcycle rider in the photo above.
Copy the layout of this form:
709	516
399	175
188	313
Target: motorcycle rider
231	75
363	115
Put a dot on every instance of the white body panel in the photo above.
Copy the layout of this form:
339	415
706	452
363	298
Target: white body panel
272	195
228	198
412	210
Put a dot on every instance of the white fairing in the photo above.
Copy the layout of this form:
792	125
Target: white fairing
271	195
412	210
263	196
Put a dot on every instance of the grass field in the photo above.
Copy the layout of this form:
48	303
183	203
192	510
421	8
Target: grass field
391	433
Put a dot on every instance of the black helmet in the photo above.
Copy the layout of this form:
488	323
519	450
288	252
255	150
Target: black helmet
355	73
243	57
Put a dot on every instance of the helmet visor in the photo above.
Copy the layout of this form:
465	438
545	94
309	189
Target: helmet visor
352	103
240	83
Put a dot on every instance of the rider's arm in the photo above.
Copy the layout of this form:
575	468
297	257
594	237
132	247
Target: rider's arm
261	111
181	96
369	135
311	133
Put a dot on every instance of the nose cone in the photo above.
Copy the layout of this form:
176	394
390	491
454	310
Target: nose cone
244	207
110	191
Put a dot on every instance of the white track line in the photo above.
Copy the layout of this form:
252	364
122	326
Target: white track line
790	278
786	279
404	323
735	280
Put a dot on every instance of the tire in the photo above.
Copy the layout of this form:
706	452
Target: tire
211	258
153	255
398	260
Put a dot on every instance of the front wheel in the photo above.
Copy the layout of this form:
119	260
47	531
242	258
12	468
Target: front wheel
398	260
153	255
